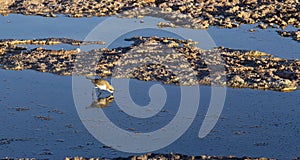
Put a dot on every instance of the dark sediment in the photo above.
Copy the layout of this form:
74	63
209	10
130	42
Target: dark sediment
168	60
197	14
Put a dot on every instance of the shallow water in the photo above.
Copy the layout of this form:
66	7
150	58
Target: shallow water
22	27
263	40
253	122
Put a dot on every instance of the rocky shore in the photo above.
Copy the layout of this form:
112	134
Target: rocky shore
152	156
173	157
47	41
168	60
196	14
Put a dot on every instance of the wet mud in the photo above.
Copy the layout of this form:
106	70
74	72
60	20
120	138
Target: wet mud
168	60
196	14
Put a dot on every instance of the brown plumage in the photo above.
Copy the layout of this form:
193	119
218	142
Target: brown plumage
102	85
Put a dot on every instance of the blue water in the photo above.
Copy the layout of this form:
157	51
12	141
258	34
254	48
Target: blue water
30	27
253	122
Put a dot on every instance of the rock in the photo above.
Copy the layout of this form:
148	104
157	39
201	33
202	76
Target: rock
236	81
292	21
284	85
250	1
252	53
294	34
4	4
252	30
148	1
286	74
262	26
297	35
166	24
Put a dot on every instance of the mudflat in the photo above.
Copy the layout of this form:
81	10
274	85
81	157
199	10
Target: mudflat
221	66
196	14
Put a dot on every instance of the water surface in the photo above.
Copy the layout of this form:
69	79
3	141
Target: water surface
253	122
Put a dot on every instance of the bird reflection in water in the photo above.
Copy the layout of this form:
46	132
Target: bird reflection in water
101	85
102	102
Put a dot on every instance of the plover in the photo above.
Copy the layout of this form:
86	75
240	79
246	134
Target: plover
102	85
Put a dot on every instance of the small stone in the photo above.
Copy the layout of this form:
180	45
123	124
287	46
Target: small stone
262	26
252	30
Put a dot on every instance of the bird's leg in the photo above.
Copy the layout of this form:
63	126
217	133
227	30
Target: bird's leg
93	95
99	93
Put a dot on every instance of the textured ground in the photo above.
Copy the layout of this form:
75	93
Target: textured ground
168	60
151	156
196	14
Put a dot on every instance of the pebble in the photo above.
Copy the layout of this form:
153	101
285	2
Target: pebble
252	30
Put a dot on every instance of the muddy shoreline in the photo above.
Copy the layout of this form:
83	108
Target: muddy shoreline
189	14
167	60
153	156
